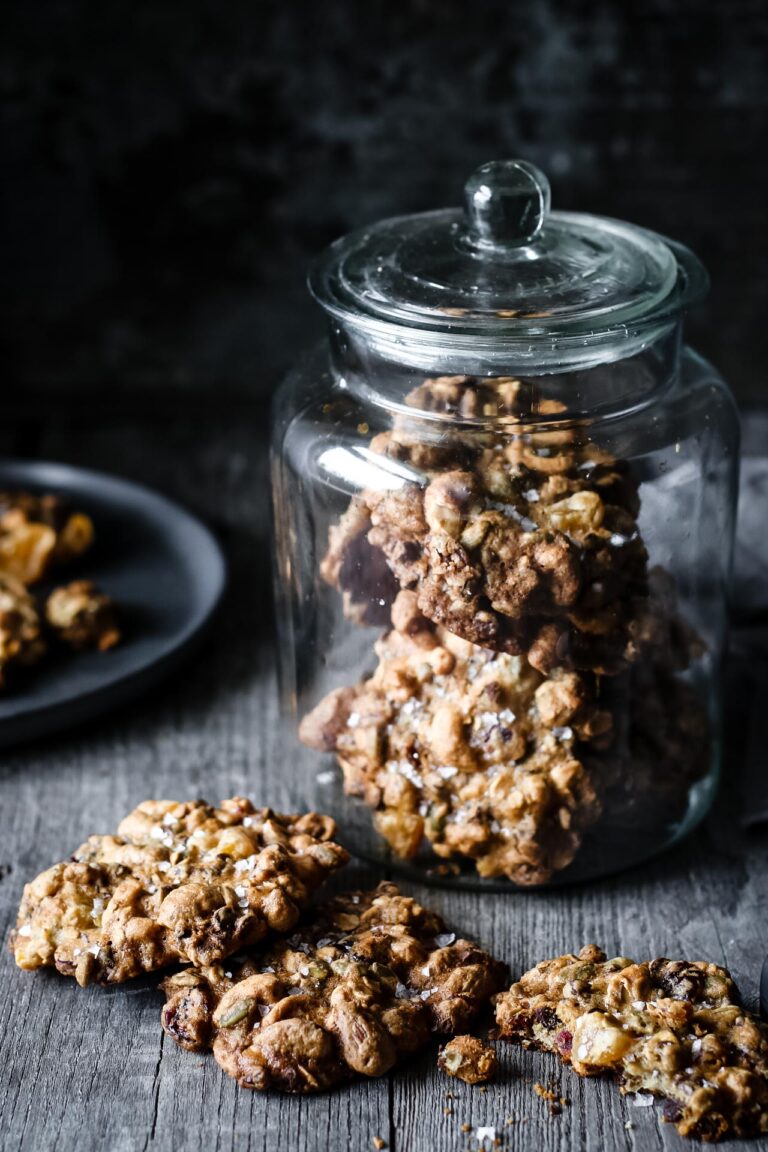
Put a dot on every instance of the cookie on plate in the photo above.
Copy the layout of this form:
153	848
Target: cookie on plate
671	1028
364	980
82	617
179	882
40	532
21	640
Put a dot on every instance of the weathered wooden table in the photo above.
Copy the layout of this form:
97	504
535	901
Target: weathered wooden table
91	1070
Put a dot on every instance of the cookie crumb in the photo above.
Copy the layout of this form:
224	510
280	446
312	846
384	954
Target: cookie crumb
555	1101
468	1059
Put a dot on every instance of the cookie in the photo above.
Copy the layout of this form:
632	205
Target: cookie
362	982
38	533
82	617
517	540
671	1028
179	882
469	749
21	640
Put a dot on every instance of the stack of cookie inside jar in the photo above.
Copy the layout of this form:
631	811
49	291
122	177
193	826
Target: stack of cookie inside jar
504	509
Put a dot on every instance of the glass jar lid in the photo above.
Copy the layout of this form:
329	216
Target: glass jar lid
506	270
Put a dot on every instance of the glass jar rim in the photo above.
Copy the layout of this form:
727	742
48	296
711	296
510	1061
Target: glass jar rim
545	338
507	277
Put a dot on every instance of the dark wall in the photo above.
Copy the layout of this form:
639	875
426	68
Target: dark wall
168	169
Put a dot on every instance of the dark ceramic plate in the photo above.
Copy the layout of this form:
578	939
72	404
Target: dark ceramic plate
162	567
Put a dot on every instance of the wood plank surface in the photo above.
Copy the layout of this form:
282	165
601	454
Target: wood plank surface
91	1070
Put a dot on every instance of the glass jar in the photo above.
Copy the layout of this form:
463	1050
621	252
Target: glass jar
504	498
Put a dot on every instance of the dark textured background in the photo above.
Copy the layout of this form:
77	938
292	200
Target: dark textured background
169	169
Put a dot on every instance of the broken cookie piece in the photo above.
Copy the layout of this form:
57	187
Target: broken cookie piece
363	981
82	617
468	749
38	533
21	641
179	882
671	1028
468	1059
359	570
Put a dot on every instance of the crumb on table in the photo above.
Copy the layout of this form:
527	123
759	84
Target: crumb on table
468	1059
554	1099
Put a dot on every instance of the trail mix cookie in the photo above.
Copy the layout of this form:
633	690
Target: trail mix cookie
21	641
673	1028
39	532
523	542
467	748
364	980
468	1059
82	617
179	881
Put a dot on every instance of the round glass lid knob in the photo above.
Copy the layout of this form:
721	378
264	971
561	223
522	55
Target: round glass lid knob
506	204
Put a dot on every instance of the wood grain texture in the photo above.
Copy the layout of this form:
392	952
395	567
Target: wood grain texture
91	1070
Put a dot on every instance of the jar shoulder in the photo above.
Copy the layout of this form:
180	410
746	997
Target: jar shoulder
315	396
706	387
308	383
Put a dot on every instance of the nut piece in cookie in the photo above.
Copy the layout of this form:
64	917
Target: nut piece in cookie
82	617
468	1059
179	882
469	749
362	981
21	642
38	533
672	1028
